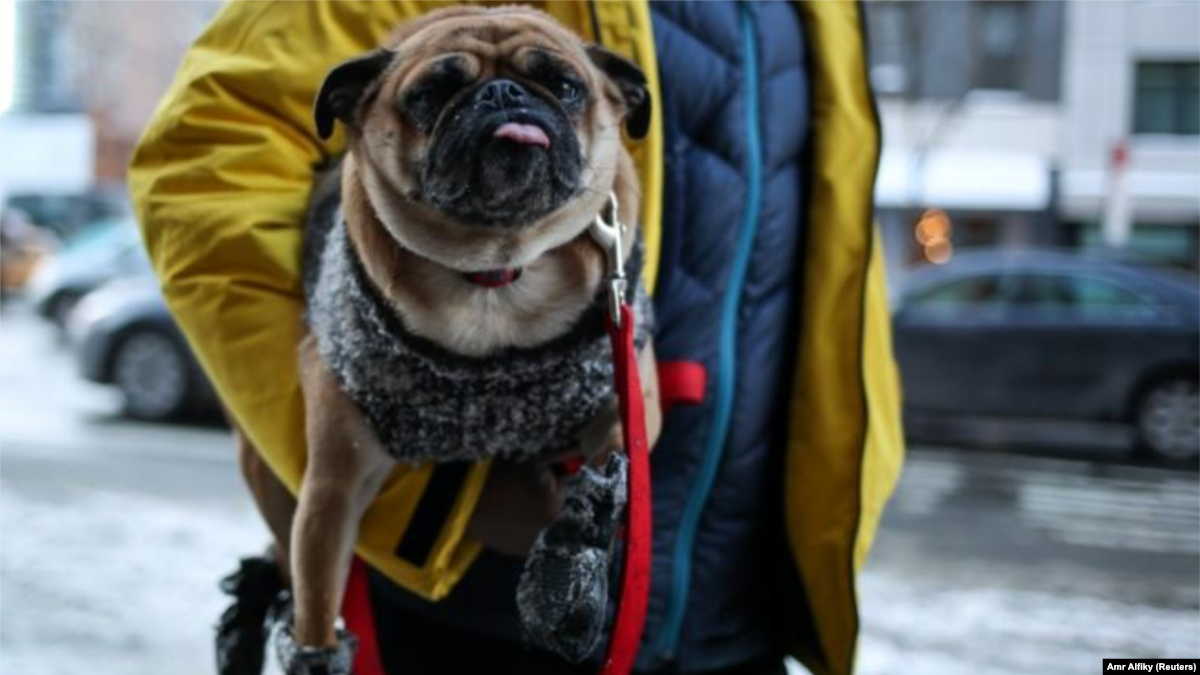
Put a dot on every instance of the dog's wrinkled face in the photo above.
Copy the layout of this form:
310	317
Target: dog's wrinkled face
503	151
485	137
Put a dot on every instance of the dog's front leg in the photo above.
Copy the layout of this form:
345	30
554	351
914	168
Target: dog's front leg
346	468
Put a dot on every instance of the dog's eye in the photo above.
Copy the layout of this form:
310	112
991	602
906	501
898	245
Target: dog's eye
567	90
421	105
425	99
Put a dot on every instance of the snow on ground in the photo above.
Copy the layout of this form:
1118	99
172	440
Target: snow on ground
922	625
114	585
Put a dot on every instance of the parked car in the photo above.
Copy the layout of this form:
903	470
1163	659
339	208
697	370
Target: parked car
127	338
66	214
1043	334
106	250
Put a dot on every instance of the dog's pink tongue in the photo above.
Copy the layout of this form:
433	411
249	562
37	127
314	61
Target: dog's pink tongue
525	134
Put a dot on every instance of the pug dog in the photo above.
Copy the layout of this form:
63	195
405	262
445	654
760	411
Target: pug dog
456	299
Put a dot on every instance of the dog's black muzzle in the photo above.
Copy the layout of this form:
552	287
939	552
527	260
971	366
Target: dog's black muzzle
502	156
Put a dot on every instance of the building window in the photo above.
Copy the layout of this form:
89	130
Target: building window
891	28
1000	30
1167	98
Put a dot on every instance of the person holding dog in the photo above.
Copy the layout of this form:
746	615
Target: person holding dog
781	439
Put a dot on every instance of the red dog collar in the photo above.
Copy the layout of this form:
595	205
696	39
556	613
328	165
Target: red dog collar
494	278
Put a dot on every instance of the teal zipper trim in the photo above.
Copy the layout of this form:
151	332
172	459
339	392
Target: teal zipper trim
681	555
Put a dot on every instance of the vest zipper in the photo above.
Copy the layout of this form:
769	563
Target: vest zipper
681	555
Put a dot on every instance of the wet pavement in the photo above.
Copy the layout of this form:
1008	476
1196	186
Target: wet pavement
114	534
993	563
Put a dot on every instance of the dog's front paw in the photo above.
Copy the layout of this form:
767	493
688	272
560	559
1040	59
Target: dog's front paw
563	593
593	502
562	598
297	659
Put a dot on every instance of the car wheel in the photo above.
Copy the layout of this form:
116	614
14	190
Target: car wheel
151	370
1168	419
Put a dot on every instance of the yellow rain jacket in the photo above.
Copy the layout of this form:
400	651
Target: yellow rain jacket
221	180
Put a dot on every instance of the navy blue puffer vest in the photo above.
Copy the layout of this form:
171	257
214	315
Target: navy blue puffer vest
735	107
736	110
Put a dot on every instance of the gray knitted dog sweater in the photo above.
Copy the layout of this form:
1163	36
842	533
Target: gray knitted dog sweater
429	404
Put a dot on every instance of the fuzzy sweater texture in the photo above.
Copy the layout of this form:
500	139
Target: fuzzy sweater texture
429	404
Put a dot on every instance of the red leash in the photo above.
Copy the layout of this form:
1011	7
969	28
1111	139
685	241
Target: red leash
635	577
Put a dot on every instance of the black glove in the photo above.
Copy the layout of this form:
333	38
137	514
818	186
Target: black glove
242	632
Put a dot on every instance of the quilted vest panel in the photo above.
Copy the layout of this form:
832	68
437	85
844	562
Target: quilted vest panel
718	535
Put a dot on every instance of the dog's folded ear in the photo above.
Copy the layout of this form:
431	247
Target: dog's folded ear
346	86
632	82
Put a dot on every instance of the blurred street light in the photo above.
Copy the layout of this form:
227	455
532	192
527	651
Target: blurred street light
933	232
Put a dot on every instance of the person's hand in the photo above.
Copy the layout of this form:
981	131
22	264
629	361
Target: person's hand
519	500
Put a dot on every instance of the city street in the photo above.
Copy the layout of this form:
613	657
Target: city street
114	535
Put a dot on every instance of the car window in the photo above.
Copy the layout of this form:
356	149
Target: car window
1103	299
973	294
1042	292
1077	297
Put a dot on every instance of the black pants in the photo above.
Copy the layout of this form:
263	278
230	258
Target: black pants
411	645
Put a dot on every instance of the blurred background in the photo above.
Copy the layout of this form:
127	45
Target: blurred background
1039	199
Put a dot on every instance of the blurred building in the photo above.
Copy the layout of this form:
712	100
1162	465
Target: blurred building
1001	118
108	61
1131	128
969	95
49	141
45	63
142	43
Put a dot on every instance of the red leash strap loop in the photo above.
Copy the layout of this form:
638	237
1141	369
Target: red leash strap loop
635	577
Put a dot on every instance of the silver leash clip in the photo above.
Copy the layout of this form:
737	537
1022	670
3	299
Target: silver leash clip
610	235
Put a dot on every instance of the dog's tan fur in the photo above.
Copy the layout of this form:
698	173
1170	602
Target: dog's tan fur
438	304
415	255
